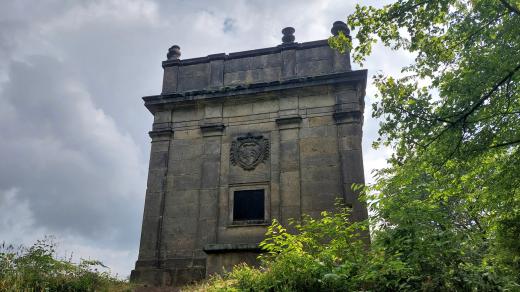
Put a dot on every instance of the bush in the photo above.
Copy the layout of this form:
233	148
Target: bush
38	269
332	254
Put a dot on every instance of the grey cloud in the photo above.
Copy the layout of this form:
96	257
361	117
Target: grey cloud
68	160
229	25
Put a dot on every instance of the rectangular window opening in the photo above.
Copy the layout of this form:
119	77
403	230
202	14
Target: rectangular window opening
249	205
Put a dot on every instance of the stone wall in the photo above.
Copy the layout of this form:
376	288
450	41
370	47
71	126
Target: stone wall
302	99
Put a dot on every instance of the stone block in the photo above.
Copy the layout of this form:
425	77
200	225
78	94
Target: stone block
170	79
156	180
191	83
312	101
352	164
216	77
265	106
239	64
289	103
319	202
188	134
162	117
186	182
183	210
350	143
320	160
210	174
322	174
312	68
290	188
265	61
186	167
159	160
208	202
318	131
288	213
186	114
152	202
288	64
324	110
313	54
311	189
349	130
348	96
289	134
326	120
212	147
176	197
207	229
318	146
160	146
237	109
289	155
148	243
186	149
212	110
341	62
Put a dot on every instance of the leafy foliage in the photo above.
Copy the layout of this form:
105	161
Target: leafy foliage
446	212
37	269
450	199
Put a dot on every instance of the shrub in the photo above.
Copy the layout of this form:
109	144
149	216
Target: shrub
332	254
37	269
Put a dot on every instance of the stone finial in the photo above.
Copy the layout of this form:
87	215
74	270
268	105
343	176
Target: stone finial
339	26
288	35
174	53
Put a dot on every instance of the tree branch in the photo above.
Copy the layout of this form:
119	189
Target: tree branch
510	7
505	144
489	94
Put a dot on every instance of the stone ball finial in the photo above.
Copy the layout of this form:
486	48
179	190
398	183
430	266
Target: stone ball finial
339	26
288	35
174	53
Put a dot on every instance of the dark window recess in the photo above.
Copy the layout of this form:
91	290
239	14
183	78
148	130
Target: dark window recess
248	205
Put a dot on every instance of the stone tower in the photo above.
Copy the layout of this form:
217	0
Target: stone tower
243	138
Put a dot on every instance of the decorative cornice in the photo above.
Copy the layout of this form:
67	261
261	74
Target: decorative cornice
156	101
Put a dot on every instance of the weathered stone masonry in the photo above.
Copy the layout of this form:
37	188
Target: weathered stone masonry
243	138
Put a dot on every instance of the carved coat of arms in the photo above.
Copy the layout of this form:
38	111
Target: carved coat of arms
248	151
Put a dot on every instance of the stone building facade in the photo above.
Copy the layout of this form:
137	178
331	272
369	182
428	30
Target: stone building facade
243	138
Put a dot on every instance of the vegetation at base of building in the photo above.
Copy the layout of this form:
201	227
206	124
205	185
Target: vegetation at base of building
37	268
331	254
446	210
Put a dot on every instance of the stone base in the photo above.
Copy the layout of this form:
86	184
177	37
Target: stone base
223	257
166	277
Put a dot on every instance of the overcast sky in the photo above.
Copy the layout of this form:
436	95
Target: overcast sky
73	129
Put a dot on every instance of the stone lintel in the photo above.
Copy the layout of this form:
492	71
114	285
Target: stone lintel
161	134
214	129
348	117
231	247
287	122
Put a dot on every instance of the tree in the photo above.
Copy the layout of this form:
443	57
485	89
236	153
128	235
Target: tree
452	191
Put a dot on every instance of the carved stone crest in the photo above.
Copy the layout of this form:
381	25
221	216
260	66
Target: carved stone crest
248	151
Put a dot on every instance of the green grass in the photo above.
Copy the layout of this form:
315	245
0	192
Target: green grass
37	268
